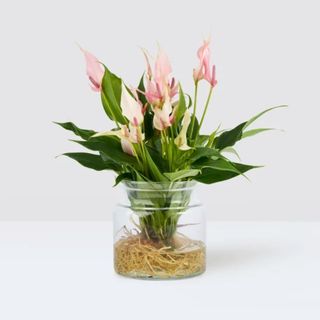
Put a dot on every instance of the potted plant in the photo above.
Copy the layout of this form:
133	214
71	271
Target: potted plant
159	152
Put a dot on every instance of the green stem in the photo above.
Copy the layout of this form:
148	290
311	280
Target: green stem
172	148
144	157
137	156
205	110
194	107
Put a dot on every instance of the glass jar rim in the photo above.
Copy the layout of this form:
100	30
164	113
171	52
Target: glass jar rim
159	186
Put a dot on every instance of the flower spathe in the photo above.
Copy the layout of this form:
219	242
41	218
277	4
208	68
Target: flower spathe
205	70
181	140
163	117
95	70
127	135
131	108
159	82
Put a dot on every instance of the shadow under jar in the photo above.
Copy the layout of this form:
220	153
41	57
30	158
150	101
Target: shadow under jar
159	233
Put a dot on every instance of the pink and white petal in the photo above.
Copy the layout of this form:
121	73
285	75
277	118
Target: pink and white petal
162	67
181	139
149	69
131	108
95	70
127	147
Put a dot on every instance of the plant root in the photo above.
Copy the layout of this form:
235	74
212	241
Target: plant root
138	257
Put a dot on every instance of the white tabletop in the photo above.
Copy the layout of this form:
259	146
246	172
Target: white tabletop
63	271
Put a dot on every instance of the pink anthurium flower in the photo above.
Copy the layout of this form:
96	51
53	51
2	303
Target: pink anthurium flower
131	108
204	70
162	68
159	82
95	70
127	136
212	78
163	117
181	139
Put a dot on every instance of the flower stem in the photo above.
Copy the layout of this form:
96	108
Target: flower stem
194	107
205	110
144	157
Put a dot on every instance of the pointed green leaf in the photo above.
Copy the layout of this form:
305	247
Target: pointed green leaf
154	170
203	152
219	164
148	125
83	133
232	151
212	137
213	175
229	138
111	148
202	140
89	160
123	176
260	114
111	96
253	132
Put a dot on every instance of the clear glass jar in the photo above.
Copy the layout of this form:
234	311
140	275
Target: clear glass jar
159	232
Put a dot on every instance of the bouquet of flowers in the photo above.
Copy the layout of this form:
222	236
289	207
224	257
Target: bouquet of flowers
157	140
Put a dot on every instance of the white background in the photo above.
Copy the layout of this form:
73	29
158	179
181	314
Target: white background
266	52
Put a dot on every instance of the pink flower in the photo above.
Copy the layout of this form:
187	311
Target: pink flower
127	136
159	82
212	78
181	139
95	70
131	108
163	117
204	70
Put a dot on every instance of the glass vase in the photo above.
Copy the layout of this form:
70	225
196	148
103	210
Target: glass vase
159	231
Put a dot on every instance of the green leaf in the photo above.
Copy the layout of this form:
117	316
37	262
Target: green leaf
161	163
181	107
201	140
111	148
213	175
229	138
148	125
212	137
154	170
89	160
253	132
219	164
83	133
250	121
111	96
203	152
182	174
123	176
232	151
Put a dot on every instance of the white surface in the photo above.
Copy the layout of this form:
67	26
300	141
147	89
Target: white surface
63	270
266	52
